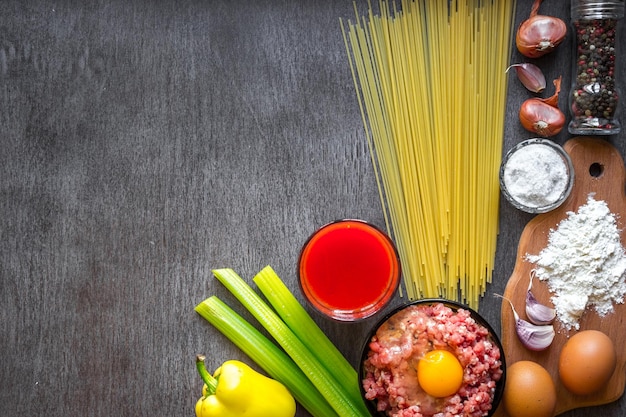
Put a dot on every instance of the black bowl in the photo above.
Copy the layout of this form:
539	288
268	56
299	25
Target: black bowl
371	404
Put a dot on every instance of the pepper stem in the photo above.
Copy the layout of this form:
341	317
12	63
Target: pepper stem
209	380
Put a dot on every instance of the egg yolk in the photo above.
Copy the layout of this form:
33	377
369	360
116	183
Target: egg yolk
439	373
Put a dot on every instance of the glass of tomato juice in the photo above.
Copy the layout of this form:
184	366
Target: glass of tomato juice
349	270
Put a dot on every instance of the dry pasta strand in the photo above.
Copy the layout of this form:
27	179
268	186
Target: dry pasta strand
431	85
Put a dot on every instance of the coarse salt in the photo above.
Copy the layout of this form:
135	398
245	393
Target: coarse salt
584	263
536	175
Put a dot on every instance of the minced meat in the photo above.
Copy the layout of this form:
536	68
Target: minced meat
391	365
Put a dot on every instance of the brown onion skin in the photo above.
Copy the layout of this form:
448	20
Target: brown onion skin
542	115
539	34
541	118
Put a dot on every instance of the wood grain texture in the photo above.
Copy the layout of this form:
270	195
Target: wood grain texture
605	184
143	144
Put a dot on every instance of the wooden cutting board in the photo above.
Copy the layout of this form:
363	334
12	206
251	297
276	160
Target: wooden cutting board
599	169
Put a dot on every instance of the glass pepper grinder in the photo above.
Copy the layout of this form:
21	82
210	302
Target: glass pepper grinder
594	95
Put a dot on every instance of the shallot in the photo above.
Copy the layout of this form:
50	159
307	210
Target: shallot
542	115
539	34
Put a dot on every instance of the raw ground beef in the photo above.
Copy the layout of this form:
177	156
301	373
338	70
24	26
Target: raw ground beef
399	343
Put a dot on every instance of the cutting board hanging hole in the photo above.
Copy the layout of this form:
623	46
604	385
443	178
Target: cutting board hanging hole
600	171
596	170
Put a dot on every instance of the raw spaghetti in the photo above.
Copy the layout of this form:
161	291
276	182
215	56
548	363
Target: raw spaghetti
431	83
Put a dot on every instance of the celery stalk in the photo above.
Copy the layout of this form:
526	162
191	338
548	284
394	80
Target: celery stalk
331	389
303	325
266	354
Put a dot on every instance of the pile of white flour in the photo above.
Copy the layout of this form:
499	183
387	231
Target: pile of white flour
584	263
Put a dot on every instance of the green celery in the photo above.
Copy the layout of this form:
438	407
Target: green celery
266	354
331	389
303	325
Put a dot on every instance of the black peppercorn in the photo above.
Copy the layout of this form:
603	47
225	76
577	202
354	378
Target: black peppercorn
594	95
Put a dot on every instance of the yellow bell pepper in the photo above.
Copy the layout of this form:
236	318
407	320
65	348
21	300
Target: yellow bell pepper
237	390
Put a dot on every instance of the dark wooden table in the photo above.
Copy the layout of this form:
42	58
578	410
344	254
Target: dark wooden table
145	143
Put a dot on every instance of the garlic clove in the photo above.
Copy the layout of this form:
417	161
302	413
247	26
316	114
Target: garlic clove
530	76
536	312
533	337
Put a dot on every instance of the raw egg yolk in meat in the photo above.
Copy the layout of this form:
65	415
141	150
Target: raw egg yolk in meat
439	373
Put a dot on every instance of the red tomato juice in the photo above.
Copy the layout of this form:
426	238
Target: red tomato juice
349	269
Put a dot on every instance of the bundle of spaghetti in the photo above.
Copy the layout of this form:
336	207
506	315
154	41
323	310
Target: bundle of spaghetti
431	84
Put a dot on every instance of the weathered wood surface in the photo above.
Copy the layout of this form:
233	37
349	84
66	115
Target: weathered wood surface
143	144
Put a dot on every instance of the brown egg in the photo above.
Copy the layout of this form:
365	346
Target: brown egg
587	362
529	391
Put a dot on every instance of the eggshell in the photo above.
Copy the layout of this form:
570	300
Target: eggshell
586	362
529	390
